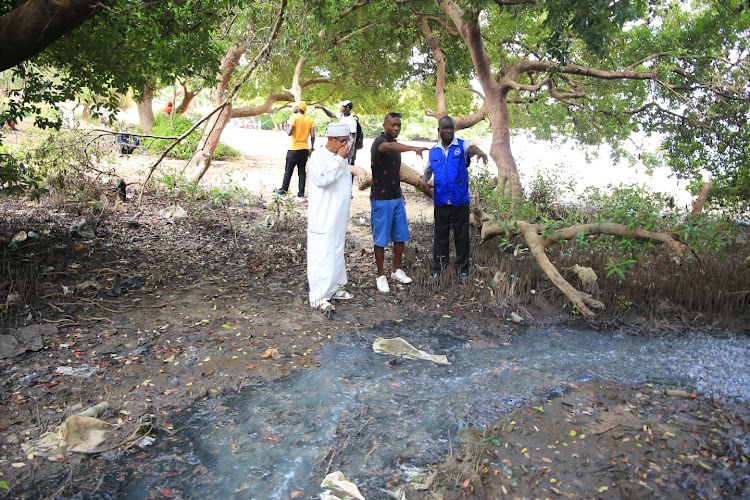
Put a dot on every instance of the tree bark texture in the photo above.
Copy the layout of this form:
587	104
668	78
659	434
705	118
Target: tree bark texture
146	110
32	26
187	99
201	160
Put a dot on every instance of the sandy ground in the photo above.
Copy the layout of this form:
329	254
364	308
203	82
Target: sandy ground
262	170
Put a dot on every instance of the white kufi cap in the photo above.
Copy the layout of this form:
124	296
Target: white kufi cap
337	129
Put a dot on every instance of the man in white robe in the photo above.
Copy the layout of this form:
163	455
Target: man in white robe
329	199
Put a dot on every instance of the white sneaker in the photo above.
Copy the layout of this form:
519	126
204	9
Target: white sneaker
401	276
299	199
382	283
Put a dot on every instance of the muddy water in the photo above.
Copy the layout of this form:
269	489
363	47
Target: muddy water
378	422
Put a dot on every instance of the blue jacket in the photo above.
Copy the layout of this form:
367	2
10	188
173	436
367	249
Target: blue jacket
451	175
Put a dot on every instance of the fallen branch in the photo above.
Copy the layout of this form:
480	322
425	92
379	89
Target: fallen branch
363	178
537	244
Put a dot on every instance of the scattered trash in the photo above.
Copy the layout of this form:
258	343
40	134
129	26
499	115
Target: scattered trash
147	441
94	411
587	277
515	318
19	237
82	228
173	212
27	338
82	372
340	488
399	347
76	434
33	235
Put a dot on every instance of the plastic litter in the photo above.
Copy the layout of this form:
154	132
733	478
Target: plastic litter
75	372
399	347
339	487
76	434
19	237
82	228
173	212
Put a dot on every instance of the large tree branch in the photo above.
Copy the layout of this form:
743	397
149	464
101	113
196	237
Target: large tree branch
614	229
584	302
265	107
538	243
31	27
437	53
263	52
468	25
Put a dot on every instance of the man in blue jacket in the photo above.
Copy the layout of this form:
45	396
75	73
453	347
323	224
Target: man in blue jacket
449	162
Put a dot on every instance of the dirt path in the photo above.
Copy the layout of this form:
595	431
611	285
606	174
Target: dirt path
154	313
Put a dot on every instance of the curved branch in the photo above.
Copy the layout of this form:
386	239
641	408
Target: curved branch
615	229
537	245
439	21
582	301
647	58
266	107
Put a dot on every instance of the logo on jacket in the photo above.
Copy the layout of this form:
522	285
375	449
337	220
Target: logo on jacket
457	151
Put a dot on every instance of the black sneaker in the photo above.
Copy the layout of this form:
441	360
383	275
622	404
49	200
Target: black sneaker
464	277
279	191
434	278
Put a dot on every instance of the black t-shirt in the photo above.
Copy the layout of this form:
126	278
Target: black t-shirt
386	171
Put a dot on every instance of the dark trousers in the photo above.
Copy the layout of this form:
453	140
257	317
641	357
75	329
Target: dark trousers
447	217
295	158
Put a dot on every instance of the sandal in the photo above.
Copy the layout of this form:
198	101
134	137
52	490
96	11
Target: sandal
342	295
328	310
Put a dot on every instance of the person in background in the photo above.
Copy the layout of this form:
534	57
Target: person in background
448	161
168	108
387	209
128	143
299	129
345	116
327	220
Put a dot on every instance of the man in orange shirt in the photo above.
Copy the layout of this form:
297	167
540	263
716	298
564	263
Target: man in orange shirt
300	128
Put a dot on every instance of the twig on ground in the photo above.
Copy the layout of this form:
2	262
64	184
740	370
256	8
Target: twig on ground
374	447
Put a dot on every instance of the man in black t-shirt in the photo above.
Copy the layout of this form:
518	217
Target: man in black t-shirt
387	210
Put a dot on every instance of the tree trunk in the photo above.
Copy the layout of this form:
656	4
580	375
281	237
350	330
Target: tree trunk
508	180
33	25
201	159
146	110
700	201
187	99
496	99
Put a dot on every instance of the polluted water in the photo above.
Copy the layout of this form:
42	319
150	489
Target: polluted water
380	419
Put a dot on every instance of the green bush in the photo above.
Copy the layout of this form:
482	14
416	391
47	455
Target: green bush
185	149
